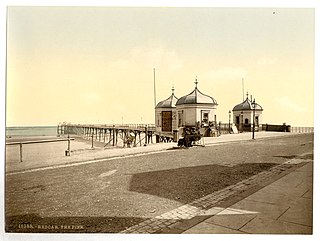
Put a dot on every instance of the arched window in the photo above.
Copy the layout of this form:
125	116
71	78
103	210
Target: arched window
246	121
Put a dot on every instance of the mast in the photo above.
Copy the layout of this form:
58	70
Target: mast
242	90
154	87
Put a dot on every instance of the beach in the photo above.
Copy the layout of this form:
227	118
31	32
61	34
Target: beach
43	155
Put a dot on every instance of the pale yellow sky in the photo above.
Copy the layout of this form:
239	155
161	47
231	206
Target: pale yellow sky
95	64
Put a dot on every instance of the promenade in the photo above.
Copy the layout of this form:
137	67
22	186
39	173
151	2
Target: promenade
276	201
39	156
282	207
234	185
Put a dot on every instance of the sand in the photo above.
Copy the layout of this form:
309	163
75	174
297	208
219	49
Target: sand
53	153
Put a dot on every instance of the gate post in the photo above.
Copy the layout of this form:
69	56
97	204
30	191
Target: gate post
20	152
146	135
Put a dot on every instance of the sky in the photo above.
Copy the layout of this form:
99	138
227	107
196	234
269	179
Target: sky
95	64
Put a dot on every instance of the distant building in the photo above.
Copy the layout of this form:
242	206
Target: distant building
243	115
166	115
196	109
193	110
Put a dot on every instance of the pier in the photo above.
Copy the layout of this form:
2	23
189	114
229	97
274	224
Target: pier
113	135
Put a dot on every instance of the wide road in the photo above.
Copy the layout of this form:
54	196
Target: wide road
112	195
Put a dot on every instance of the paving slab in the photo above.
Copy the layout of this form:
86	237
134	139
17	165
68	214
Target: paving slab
276	198
264	225
307	168
209	228
308	194
300	212
233	221
265	209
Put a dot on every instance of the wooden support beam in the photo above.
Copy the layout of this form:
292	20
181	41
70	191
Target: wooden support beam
124	135
146	135
135	138
140	138
117	136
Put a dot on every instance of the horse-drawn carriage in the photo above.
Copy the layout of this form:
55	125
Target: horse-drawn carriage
191	135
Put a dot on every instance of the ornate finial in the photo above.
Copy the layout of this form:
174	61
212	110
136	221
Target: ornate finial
196	82
172	90
247	94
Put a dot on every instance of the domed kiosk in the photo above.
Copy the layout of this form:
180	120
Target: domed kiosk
243	115
165	114
196	109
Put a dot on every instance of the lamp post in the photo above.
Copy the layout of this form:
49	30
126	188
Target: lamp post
241	122
229	120
254	116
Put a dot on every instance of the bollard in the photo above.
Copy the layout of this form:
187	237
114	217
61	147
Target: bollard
68	151
92	141
20	152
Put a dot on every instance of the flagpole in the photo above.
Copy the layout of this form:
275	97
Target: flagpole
242	90
154	87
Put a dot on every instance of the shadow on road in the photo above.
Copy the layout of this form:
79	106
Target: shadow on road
187	184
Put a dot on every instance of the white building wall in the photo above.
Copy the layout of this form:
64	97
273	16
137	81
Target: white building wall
189	116
210	110
174	119
193	113
259	113
246	114
158	119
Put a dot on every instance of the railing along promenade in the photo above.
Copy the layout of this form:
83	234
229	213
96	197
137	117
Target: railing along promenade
295	129
21	143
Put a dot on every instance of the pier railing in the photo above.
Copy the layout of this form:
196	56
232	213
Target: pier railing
66	127
127	134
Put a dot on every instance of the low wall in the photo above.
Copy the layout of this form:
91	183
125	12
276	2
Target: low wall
280	128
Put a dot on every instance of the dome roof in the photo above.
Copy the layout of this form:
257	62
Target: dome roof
196	97
247	105
168	103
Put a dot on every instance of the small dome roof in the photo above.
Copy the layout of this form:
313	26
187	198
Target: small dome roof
247	105
196	97
168	103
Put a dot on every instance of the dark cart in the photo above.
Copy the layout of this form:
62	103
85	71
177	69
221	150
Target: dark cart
190	135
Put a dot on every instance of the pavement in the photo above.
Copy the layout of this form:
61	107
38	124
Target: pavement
282	207
276	201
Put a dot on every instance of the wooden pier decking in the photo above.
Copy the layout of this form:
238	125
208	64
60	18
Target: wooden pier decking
129	134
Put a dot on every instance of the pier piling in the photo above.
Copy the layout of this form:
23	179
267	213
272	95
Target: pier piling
109	134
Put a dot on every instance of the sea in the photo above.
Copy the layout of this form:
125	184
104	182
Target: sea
31	131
